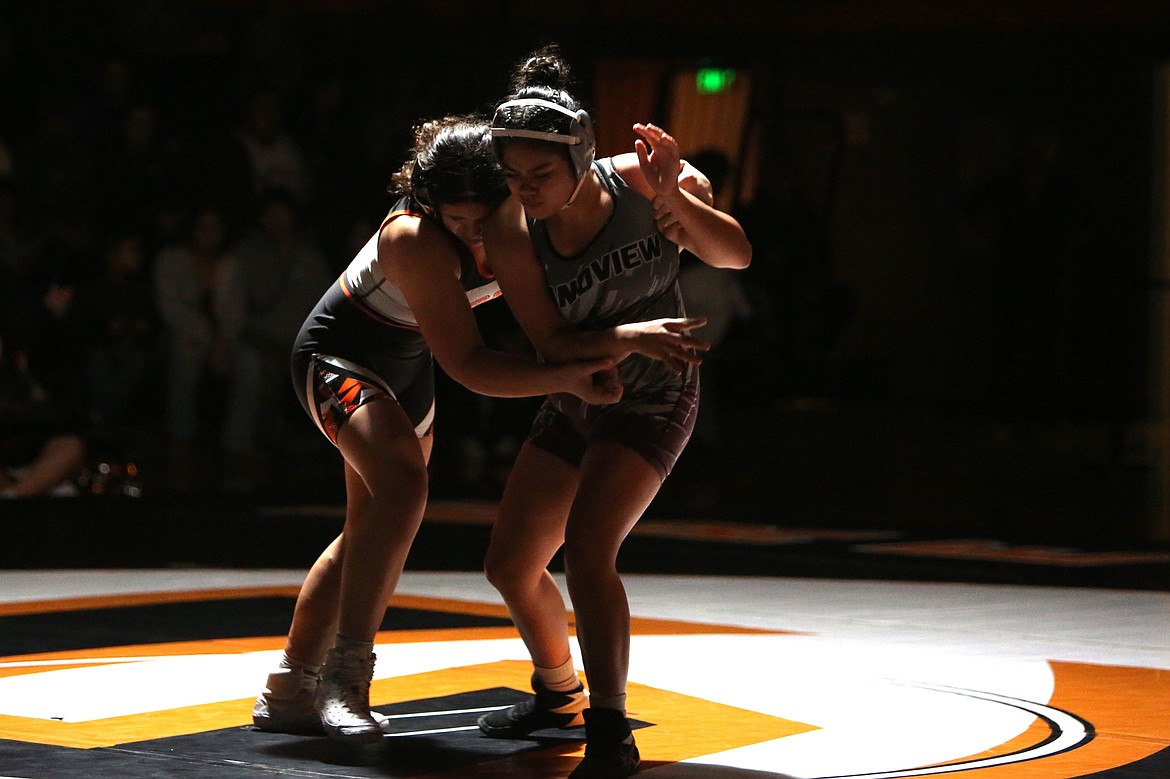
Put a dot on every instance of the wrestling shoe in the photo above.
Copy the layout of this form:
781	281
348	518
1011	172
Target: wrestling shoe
610	751
546	709
287	704
343	696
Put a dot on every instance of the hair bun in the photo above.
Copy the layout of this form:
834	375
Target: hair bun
543	68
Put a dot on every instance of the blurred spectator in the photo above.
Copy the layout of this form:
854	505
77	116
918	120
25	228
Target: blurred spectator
1044	236
42	447
135	168
328	123
800	308
283	272
42	430
200	296
54	167
124	350
717	294
19	244
273	158
106	101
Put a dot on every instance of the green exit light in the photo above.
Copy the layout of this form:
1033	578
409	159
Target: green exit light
708	81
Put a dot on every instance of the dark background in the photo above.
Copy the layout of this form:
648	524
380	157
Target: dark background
956	312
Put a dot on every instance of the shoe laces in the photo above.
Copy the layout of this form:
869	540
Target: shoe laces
352	680
355	696
309	682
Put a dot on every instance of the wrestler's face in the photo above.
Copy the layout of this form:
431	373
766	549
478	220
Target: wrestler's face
465	221
539	176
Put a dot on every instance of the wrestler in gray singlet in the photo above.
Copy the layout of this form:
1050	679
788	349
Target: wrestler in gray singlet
628	273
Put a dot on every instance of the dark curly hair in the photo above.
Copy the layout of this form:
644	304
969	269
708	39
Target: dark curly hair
451	162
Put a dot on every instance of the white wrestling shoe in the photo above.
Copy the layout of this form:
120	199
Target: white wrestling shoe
288	704
343	696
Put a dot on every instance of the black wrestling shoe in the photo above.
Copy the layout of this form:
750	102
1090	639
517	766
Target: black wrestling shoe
610	751
546	709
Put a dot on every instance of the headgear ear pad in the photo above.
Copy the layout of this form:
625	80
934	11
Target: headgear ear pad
576	132
420	191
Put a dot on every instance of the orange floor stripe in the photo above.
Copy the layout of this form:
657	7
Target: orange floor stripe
1126	707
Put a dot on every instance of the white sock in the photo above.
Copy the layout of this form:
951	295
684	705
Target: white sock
563	678
288	661
346	643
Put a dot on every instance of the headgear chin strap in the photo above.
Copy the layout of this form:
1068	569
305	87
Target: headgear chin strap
577	135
